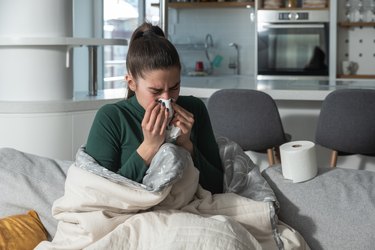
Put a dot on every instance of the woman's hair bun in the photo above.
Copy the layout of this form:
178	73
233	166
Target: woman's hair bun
147	30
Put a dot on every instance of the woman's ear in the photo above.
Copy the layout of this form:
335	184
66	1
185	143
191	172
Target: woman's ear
131	83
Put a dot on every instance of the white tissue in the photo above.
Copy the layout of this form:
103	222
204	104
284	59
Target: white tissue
298	160
172	131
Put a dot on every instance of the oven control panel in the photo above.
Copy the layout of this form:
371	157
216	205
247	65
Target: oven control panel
293	16
296	16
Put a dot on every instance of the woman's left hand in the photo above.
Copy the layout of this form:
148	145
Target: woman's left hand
184	120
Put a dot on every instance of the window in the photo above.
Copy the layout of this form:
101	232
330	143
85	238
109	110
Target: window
120	19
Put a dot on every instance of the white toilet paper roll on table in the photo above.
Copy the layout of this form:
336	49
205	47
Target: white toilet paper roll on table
298	160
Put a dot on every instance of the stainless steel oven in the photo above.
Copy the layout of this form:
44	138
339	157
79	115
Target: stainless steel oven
293	44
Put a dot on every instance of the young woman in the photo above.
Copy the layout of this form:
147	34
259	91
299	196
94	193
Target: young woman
125	136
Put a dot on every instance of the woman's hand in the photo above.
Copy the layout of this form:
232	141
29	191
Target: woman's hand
185	121
154	124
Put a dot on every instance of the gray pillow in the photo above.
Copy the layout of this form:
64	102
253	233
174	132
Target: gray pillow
30	182
334	210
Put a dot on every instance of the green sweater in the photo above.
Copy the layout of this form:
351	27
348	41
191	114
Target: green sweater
116	133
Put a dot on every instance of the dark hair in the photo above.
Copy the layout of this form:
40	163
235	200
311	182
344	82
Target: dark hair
150	50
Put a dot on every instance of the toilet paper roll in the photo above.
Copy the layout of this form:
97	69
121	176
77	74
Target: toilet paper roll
298	160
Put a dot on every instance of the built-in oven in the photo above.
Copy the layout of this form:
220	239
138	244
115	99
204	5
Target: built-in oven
292	44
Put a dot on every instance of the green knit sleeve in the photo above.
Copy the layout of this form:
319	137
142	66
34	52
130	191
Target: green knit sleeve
104	144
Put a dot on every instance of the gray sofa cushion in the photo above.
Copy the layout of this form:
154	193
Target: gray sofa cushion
334	210
30	182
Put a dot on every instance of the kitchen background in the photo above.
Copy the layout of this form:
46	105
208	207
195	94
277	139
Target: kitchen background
188	29
351	33
199	33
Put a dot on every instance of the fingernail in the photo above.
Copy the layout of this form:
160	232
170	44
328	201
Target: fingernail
163	104
167	109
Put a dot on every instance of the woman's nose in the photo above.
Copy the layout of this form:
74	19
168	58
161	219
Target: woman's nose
165	96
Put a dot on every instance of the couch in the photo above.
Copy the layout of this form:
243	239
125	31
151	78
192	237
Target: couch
334	210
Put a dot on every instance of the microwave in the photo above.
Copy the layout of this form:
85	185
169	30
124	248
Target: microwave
292	44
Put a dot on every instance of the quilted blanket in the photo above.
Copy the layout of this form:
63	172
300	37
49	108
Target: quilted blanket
169	210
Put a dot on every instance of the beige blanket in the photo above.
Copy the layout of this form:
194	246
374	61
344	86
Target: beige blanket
96	213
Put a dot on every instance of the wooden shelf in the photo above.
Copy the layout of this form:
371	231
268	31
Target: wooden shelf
197	5
294	9
356	24
356	76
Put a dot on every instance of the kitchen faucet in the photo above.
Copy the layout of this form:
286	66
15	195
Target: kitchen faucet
237	64
209	43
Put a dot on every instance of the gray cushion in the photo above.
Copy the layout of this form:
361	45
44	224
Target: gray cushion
334	210
30	182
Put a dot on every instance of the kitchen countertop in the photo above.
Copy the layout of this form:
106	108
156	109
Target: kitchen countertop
202	87
302	90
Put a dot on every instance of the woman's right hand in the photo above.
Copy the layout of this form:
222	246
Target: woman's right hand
154	125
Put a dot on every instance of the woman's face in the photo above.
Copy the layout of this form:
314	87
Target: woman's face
156	84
